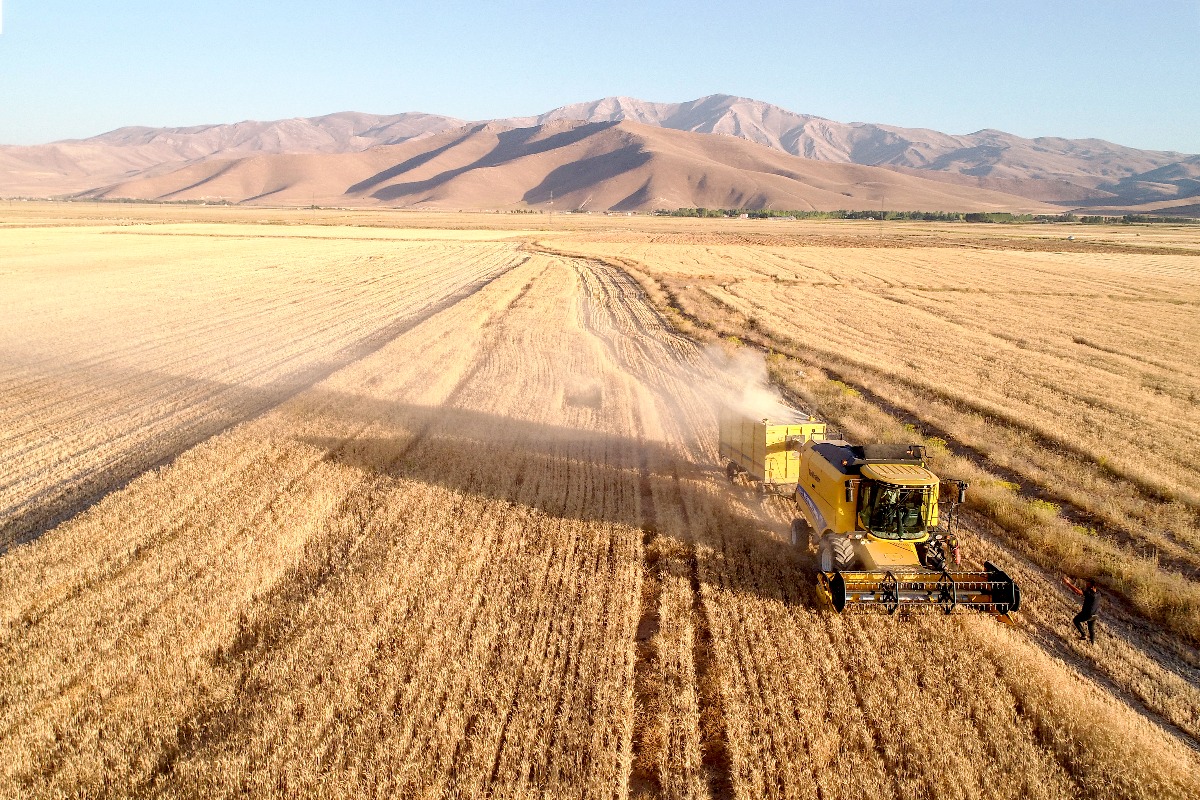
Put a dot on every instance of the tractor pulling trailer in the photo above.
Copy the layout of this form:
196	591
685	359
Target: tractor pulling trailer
883	524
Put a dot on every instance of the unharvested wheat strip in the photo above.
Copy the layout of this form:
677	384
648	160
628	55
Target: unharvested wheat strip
1055	373
1106	745
1164	675
1084	484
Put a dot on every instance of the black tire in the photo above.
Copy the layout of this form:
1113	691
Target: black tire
842	552
731	471
825	555
835	553
799	532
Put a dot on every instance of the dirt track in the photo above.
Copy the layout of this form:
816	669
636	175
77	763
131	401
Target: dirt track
493	553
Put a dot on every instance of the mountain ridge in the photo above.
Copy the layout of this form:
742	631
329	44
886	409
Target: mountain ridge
1071	173
560	164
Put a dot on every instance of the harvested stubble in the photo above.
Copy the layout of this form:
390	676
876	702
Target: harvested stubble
1069	375
495	556
127	364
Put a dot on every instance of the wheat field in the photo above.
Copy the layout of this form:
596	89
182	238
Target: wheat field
430	506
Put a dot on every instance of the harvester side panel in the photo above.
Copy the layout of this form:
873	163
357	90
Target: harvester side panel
824	489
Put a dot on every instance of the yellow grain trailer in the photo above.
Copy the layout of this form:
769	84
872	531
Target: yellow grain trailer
766	451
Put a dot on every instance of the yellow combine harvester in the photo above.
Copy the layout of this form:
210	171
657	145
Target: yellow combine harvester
881	521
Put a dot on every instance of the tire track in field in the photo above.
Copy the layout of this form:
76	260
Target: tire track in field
20	529
643	776
714	738
636	338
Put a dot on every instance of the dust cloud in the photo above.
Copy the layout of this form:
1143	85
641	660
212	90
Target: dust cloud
739	382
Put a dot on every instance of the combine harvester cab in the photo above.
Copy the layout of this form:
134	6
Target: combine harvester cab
881	521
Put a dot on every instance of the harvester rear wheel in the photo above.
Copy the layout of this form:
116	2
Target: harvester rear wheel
799	532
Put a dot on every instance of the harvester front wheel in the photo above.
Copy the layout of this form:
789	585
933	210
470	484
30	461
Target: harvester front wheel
843	552
836	553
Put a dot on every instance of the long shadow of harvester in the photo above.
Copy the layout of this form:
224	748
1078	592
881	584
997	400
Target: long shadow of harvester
567	472
575	473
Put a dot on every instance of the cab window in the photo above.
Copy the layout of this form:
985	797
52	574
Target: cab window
894	512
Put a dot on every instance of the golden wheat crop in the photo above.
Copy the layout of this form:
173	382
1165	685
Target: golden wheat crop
368	512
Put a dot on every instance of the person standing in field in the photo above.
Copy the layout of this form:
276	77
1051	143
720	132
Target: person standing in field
1091	604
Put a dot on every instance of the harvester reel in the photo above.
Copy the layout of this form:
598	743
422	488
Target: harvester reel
889	593
947	592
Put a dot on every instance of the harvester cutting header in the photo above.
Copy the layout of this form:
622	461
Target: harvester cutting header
882	523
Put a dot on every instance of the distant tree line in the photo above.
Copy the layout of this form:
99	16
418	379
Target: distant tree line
999	217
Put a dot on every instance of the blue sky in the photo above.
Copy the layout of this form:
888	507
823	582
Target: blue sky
1124	71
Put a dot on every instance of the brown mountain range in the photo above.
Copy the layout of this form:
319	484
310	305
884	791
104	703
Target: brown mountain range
1071	174
79	164
1068	172
572	165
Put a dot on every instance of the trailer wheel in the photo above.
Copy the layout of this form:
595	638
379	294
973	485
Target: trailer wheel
731	471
